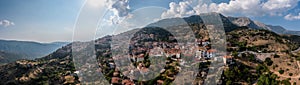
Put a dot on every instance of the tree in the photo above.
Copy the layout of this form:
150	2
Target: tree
268	61
285	82
290	74
276	56
281	71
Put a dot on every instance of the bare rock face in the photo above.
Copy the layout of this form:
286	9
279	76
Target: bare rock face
244	21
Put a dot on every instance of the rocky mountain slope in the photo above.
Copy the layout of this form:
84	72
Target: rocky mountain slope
245	21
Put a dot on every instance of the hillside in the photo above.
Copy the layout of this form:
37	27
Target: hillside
264	50
8	57
40	71
260	41
20	49
247	68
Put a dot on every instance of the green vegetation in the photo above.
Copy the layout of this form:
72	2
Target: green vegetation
276	56
237	73
267	79
281	71
290	74
285	82
268	61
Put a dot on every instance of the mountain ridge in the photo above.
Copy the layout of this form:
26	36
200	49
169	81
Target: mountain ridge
20	49
245	21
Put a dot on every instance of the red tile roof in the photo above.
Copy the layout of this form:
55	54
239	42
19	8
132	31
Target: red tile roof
115	80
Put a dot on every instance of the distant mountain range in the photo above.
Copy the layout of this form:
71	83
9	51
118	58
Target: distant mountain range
11	50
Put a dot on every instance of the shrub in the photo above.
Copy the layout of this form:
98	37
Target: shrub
290	74
276	56
281	71
286	82
268	61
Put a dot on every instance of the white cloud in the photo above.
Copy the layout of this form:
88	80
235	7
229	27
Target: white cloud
179	10
279	6
292	17
248	7
233	7
6	23
120	9
96	3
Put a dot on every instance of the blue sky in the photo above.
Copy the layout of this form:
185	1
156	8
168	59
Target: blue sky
54	20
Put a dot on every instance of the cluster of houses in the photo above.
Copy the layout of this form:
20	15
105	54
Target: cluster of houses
140	51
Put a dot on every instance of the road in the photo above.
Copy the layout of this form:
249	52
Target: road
297	50
260	56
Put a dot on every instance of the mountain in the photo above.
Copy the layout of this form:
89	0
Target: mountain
245	21
230	23
8	57
58	67
197	19
14	50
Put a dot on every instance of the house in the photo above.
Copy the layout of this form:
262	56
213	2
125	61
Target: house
111	65
76	72
227	60
144	71
205	43
115	74
127	82
140	66
159	82
115	80
140	57
177	55
157	51
211	53
198	54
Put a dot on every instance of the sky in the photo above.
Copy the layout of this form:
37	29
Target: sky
66	21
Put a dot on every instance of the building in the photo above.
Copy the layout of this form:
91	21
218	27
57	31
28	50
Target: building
198	54
227	60
127	82
211	53
115	80
160	82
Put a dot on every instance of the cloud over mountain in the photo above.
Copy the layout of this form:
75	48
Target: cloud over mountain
233	7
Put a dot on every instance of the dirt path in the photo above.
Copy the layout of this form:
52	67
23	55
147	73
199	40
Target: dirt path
296	50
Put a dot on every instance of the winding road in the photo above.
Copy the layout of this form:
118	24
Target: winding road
260	56
296	50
